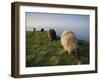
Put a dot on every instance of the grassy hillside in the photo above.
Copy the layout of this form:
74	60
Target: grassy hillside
40	51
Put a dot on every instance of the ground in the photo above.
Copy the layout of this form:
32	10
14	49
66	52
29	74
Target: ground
40	51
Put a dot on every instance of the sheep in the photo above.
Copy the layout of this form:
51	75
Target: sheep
52	34
70	44
34	29
42	29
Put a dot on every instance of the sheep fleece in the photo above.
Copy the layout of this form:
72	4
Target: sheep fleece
68	41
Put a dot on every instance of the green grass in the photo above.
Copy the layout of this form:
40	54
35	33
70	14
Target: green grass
40	51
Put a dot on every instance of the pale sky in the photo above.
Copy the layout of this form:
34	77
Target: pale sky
60	22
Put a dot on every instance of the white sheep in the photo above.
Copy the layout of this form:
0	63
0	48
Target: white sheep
69	43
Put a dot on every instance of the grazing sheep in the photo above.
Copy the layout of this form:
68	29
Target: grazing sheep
42	29
52	34
69	43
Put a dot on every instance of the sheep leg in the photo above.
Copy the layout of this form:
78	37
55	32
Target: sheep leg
76	54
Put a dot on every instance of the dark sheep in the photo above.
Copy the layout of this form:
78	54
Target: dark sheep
52	34
34	29
42	29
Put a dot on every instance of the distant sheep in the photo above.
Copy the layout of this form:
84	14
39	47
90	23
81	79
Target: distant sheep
34	29
42	29
52	34
69	43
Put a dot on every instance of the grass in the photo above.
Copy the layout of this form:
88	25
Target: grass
40	51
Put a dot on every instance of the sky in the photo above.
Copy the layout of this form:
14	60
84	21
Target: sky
79	24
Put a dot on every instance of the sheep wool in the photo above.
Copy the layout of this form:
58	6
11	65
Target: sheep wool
68	41
52	34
